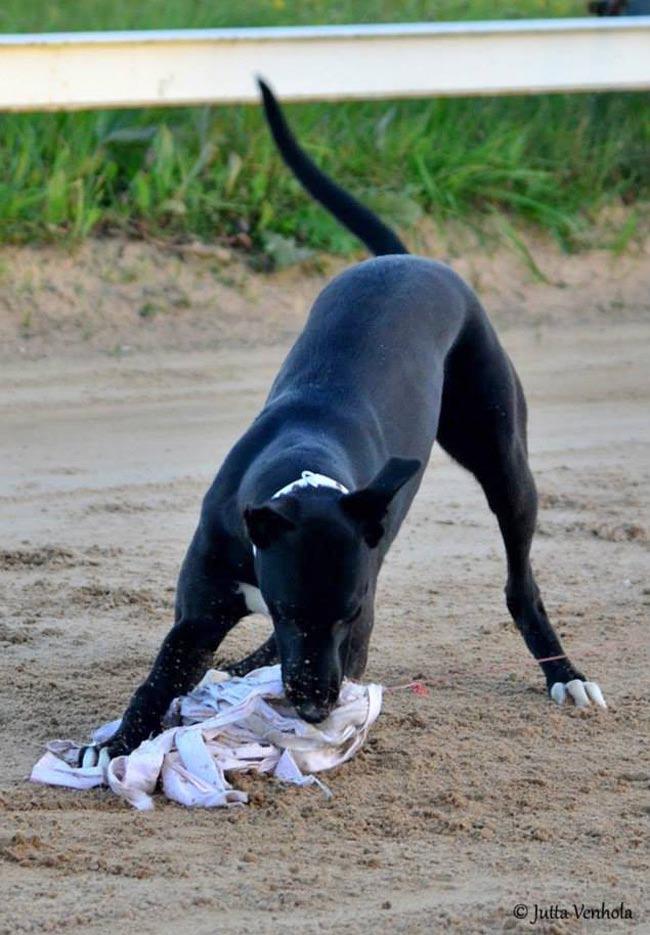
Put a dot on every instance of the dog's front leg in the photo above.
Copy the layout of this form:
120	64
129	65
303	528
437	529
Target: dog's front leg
264	655
356	651
183	658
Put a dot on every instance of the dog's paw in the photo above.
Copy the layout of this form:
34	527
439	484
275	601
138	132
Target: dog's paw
100	754
580	691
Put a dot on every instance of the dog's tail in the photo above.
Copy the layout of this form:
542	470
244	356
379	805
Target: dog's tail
365	225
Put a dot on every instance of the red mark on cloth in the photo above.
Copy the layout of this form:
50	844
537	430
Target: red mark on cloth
419	688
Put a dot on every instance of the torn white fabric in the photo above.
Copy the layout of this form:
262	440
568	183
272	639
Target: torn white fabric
224	725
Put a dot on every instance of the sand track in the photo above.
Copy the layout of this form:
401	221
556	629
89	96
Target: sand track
466	801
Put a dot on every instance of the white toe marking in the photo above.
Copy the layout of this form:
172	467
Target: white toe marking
90	757
558	693
581	693
576	689
594	692
104	758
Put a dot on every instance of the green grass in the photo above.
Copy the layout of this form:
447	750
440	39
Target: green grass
553	161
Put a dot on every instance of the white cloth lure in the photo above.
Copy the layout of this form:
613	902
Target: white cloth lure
225	724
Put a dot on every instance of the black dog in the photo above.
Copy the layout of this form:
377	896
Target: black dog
397	353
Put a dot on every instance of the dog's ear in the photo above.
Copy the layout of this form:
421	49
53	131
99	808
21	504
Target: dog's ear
266	523
368	506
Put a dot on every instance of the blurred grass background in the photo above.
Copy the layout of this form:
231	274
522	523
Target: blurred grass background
554	161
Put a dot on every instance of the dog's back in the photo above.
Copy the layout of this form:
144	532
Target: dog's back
375	332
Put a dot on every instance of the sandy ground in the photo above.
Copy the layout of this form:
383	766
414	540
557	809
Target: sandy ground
466	801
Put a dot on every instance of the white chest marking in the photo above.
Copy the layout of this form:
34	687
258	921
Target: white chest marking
254	600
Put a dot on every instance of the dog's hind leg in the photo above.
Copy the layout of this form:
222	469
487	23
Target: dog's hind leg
483	427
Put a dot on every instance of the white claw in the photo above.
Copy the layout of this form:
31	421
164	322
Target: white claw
104	759
558	693
581	693
576	689
90	757
594	692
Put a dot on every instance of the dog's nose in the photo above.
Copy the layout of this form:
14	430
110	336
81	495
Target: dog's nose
312	712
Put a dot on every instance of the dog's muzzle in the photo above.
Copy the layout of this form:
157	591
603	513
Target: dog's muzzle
313	713
312	703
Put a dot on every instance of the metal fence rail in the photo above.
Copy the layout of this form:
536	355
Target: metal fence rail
70	71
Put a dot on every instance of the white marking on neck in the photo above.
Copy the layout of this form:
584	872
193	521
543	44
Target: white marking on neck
310	479
307	479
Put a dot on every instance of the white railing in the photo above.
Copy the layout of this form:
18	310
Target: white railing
69	71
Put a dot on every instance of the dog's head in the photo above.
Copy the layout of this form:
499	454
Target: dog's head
314	563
